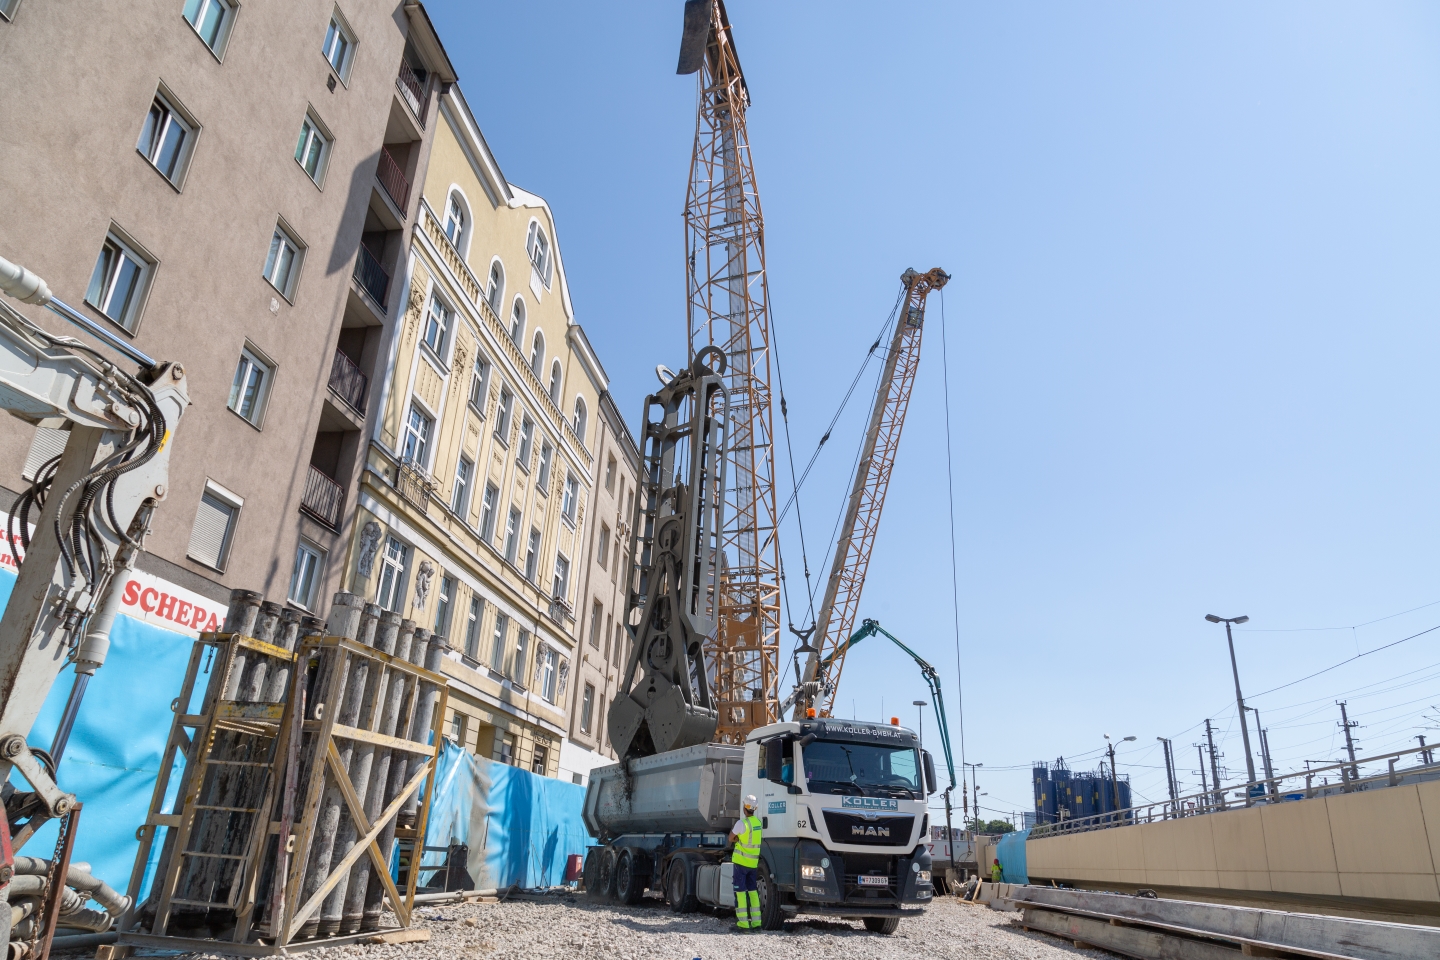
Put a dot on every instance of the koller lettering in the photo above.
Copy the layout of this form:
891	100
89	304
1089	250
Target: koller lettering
857	830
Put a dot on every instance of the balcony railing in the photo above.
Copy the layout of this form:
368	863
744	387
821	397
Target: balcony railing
561	611
323	498
372	277
392	178
412	88
414	484
348	382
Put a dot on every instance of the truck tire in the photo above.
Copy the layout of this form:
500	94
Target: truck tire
882	925
604	875
629	884
678	888
771	916
592	867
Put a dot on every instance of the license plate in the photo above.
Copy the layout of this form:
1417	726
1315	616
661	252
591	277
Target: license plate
874	881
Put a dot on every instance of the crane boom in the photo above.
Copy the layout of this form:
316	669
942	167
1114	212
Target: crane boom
867	498
729	308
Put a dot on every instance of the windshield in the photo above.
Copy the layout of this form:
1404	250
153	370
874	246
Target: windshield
862	769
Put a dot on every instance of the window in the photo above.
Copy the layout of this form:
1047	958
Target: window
521	660
472	628
630	504
609	632
313	148
546	662
537	245
339	46
442	606
416	447
502	419
479	381
306	576
282	263
497	645
251	387
580	419
555	383
495	287
487	511
517	320
121	278
615	567
437	323
214	528
603	553
527	441
457	727
507	752
572	494
537	352
537	762
562	576
596	613
211	20
512	534
619	642
610	474
166	137
532	554
455	219
460	497
547	453
587	708
391	593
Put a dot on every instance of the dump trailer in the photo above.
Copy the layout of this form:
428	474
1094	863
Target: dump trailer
843	809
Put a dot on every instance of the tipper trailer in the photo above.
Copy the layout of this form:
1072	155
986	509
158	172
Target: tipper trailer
843	811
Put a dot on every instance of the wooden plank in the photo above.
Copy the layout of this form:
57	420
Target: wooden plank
163	820
235	710
415	935
404	666
380	739
269	649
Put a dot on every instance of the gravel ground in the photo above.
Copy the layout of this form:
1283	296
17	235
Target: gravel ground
572	928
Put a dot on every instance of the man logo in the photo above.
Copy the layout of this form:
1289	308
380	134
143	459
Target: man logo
856	830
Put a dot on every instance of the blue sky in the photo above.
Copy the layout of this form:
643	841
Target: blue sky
1191	333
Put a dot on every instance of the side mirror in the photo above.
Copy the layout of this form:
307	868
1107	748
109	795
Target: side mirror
930	780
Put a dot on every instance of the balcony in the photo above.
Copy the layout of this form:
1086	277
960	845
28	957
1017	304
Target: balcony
348	383
561	612
412	88
414	484
372	277
392	178
323	499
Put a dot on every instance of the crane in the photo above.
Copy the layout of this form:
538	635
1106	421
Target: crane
728	307
826	660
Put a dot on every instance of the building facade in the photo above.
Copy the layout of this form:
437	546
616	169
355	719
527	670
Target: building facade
604	588
226	185
474	504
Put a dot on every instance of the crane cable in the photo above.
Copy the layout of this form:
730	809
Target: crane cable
954	574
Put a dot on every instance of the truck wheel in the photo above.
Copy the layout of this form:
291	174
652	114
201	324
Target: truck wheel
604	888
677	888
629	886
592	867
771	916
885	925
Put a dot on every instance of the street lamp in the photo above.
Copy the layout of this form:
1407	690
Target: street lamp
975	790
921	705
1114	776
1239	700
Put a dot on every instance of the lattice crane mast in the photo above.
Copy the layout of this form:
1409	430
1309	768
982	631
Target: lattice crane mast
826	659
729	308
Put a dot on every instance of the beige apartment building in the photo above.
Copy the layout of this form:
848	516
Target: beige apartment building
474	506
227	185
604	587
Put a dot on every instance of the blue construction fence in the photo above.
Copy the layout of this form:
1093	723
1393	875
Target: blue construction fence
1010	851
520	826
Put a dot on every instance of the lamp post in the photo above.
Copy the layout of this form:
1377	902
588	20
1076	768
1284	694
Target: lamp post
1114	776
921	705
1239	700
975	791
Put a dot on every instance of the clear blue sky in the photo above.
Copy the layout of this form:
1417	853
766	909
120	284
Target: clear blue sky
1192	332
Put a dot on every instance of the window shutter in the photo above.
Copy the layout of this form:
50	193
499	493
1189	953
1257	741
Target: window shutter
48	444
211	533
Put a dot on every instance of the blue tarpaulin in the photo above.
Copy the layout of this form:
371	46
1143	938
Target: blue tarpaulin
1010	850
519	827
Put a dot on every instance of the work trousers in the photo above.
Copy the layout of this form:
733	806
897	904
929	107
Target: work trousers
747	898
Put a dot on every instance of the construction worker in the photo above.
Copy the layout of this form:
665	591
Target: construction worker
745	835
995	872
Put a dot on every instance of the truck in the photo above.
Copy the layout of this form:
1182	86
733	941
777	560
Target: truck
842	803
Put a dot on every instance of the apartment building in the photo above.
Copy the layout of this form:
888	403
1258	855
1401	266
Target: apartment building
605	582
474	505
226	185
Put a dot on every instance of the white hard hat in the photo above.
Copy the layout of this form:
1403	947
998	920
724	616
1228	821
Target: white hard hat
750	801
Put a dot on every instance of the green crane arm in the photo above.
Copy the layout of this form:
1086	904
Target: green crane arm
869	628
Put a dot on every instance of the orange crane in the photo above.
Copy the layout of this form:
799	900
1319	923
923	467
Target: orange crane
836	620
729	308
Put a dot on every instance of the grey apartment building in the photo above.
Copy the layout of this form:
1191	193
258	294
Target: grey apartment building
226	185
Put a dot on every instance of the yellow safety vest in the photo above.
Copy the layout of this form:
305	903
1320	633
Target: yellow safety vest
747	845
